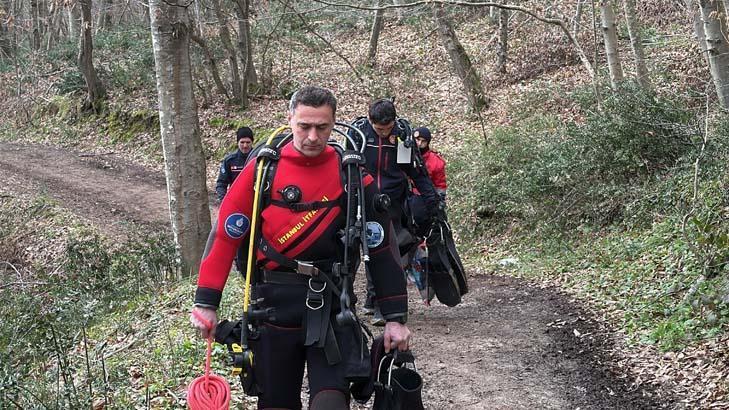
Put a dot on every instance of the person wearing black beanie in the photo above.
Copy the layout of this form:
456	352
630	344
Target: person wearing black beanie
233	163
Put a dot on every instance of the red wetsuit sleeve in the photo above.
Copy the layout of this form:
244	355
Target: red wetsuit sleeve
436	169
230	229
439	175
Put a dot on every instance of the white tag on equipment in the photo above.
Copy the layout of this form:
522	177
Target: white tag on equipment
404	155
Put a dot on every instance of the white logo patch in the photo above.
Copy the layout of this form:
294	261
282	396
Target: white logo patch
375	234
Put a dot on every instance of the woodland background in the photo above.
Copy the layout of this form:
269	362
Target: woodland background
586	144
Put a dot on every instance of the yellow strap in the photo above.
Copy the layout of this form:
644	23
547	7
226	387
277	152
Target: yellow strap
254	222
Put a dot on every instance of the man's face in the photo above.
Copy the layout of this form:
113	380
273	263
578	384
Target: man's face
245	145
311	127
383	130
422	142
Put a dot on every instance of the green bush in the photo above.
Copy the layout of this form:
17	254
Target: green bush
544	173
71	81
65	291
63	54
127	56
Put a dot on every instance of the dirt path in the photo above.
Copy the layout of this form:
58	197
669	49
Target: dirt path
509	345
102	189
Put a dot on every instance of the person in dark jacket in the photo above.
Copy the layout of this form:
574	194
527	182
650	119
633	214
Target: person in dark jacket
383	134
290	236
233	163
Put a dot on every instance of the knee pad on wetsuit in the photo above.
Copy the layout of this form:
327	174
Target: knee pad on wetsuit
329	400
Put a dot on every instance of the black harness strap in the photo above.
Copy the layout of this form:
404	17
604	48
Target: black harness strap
306	269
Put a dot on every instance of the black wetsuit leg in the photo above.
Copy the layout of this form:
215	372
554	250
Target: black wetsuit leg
279	367
326	379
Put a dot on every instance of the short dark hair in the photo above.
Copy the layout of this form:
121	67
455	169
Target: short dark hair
382	111
313	96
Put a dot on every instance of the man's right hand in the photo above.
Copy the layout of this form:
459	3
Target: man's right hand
204	319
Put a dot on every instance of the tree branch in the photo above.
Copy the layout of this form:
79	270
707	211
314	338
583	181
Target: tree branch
328	43
549	20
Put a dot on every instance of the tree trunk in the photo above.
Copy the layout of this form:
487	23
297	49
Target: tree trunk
54	26
695	14
502	52
577	20
210	63
74	18
460	61
375	35
94	88
229	50
636	43
717	48
181	144
245	43
6	39
104	17
398	11
610	36
34	14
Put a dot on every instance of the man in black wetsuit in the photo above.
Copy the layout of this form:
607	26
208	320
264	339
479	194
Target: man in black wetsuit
383	134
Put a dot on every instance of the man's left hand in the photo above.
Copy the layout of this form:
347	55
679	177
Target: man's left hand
397	336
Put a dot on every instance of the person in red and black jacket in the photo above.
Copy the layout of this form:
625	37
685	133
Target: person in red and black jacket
311	168
433	161
382	133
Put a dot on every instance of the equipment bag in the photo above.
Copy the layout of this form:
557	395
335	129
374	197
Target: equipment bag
394	380
398	386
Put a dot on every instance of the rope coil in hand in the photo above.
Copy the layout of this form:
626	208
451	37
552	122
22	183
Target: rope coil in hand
208	392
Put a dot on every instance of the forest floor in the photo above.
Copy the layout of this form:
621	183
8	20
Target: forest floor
510	344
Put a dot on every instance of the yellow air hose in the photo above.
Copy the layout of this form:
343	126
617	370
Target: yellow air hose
254	223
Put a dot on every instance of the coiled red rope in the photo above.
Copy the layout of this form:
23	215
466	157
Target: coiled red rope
209	392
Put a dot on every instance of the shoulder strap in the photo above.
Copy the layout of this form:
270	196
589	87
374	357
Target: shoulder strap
359	122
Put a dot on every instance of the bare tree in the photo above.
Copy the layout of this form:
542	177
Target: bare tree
104	14
502	52
562	24
6	39
245	46
460	61
54	25
181	144
74	18
377	24
636	43
716	47
94	89
698	23
210	63
230	52
577	19
34	16
610	36
398	11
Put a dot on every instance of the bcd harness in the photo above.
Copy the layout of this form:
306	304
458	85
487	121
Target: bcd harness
323	278
405	135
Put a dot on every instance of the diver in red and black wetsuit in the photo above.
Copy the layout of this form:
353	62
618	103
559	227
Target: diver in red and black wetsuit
307	172
383	132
